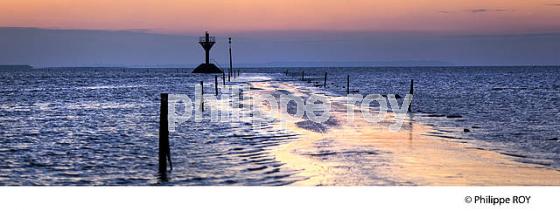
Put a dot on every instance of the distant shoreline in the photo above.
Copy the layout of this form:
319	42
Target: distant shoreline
17	67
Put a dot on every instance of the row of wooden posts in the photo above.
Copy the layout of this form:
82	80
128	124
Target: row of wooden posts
164	149
411	91
231	74
215	87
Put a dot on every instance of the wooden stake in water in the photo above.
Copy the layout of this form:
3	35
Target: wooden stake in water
224	77
348	84
164	150
302	75
230	61
216	84
411	91
325	83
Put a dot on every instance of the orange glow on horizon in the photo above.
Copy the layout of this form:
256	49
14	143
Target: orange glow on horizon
186	16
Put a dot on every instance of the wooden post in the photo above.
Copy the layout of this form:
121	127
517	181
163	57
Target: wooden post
216	84
164	150
202	95
302	75
411	91
348	84
224	77
230	61
325	83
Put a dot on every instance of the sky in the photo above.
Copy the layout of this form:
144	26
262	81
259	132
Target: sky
192	16
475	26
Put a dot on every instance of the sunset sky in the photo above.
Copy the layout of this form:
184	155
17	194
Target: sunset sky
280	32
190	16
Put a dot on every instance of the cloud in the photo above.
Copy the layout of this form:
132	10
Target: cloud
486	10
480	10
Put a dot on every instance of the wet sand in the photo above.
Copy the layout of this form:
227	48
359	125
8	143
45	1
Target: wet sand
354	153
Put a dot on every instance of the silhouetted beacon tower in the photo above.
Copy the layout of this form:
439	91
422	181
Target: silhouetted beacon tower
207	42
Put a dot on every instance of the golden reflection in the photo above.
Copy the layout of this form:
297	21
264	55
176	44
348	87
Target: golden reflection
424	160
411	130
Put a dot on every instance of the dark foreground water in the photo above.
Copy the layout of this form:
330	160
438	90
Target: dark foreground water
93	126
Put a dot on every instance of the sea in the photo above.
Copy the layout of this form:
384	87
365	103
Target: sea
82	126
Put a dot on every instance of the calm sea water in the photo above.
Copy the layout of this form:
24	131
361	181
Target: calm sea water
94	126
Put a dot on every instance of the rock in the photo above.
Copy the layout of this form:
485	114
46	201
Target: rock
454	116
466	130
435	115
553	139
